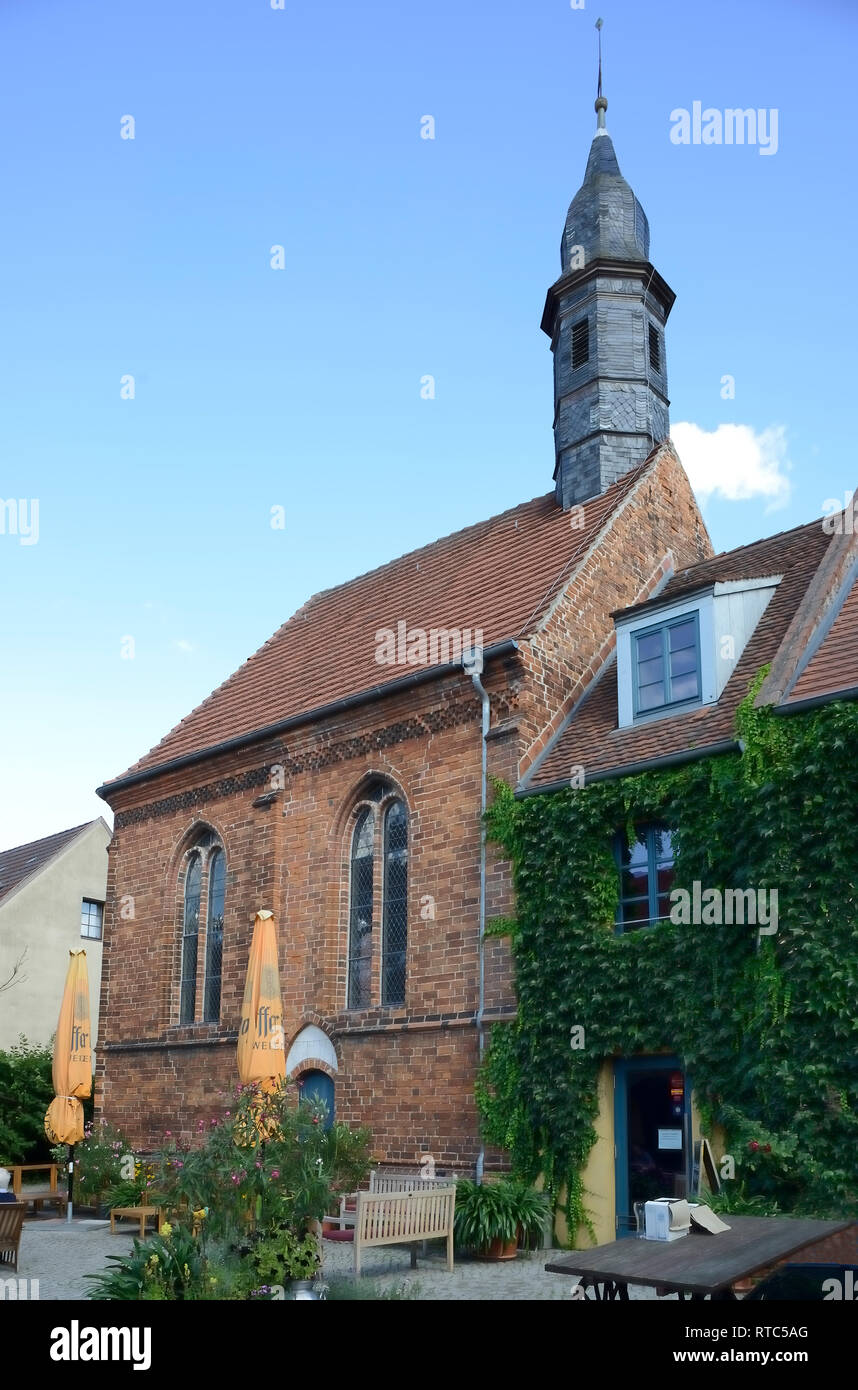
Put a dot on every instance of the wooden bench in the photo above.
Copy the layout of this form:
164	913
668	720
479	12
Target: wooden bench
11	1221
381	1182
404	1218
140	1214
40	1194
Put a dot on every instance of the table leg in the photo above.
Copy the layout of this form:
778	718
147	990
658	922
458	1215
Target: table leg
608	1290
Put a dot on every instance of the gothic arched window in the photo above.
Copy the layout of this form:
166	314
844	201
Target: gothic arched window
394	927
214	936
190	938
361	883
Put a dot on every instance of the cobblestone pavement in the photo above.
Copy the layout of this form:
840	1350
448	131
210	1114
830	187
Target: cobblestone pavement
520	1280
59	1254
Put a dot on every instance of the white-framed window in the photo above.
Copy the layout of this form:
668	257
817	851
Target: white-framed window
91	919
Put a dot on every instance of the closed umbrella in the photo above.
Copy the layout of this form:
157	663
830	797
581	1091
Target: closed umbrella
261	1054
72	1067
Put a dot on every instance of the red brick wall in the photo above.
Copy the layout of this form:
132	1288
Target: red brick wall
658	522
407	1072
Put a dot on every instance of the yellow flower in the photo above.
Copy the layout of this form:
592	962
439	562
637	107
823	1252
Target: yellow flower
166	1232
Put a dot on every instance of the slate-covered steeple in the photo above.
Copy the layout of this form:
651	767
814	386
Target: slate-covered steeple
605	317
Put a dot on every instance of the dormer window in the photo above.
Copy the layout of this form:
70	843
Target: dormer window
673	657
666	667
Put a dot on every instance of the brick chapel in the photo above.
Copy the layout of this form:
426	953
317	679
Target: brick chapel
338	777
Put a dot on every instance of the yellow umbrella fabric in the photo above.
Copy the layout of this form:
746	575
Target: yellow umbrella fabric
72	1069
261	1051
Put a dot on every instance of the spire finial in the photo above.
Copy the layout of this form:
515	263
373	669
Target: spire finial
601	102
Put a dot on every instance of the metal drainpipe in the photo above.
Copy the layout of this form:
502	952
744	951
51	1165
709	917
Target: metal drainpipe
471	669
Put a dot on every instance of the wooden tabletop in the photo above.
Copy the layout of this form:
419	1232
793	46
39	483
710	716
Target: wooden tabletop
697	1263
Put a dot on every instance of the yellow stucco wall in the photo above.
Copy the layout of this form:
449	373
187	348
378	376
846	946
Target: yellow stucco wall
44	916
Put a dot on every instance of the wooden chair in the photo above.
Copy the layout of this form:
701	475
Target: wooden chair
11	1221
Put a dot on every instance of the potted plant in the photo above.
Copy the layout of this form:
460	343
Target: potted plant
491	1217
283	1258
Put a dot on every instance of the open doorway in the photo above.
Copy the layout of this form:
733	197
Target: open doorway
652	1133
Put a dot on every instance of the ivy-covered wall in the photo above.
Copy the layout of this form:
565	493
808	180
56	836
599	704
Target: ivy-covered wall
766	1025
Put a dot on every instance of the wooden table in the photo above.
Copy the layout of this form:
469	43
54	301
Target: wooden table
696	1265
39	1194
140	1214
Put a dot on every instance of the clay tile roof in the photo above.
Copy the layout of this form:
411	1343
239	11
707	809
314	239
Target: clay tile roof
834	665
25	860
499	576
591	738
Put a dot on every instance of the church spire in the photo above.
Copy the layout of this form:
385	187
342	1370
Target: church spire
605	317
601	102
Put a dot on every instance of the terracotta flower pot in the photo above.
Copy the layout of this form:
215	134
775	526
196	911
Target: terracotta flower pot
499	1249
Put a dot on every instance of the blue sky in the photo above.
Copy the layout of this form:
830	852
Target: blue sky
300	387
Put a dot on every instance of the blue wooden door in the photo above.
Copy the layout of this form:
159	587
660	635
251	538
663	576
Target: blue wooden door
652	1133
317	1085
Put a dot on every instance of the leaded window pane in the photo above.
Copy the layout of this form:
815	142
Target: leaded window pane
214	937
360	914
190	937
395	924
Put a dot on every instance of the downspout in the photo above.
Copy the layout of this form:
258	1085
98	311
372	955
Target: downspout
472	665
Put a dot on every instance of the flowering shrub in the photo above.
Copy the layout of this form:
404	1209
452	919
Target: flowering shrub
168	1266
243	1203
267	1163
98	1160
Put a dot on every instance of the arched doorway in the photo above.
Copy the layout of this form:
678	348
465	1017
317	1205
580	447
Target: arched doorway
317	1085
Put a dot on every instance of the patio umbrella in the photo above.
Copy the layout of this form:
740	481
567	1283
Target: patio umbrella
72	1067
261	1053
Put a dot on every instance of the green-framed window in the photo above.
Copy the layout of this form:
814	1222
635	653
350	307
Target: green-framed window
666	665
645	867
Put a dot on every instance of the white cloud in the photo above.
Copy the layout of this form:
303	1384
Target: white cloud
735	462
183	646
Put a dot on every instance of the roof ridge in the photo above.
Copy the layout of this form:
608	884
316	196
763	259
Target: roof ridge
749	545
310	602
31	844
627	482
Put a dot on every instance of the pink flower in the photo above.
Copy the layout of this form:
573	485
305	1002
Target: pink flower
235	1177
168	1133
258	1164
753	1146
275	1172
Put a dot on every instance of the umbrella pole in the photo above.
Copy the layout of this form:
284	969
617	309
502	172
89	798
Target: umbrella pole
71	1183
